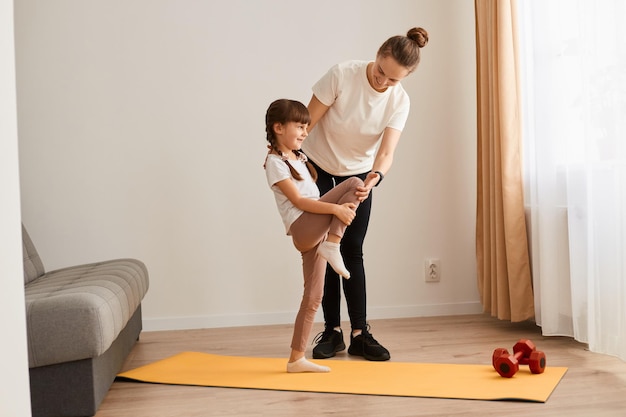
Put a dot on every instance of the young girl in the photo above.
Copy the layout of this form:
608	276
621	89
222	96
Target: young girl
315	225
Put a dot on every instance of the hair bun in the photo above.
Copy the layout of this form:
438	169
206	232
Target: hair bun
419	35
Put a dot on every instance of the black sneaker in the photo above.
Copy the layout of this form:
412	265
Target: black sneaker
365	345
329	342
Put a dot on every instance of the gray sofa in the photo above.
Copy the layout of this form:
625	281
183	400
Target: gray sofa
82	322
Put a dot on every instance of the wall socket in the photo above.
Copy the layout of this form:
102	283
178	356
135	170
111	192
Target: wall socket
432	270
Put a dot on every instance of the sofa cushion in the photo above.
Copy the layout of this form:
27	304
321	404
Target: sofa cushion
76	313
33	267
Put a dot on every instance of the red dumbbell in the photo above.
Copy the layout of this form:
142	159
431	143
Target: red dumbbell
524	353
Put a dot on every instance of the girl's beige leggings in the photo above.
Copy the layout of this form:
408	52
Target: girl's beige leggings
307	232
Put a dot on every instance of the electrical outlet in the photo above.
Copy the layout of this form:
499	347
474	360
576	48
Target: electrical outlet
432	270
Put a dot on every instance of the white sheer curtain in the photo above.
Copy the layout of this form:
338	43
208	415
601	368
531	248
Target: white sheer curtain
574	66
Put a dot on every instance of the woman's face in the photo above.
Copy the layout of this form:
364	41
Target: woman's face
385	72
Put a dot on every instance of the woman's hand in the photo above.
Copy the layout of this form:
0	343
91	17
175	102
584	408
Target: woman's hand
370	181
346	212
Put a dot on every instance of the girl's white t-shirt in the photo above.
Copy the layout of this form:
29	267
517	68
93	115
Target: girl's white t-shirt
277	170
345	140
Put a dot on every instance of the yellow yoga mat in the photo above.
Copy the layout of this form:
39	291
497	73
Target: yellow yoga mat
478	382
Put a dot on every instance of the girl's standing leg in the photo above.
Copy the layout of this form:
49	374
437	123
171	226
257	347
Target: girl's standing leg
313	268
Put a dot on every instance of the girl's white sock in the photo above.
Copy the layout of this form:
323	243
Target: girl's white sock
330	251
302	365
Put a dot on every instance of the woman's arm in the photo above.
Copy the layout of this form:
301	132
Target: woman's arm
382	162
317	110
344	212
388	145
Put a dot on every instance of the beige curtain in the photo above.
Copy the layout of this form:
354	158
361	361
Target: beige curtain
504	278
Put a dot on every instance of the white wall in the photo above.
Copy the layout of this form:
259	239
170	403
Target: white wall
142	135
14	391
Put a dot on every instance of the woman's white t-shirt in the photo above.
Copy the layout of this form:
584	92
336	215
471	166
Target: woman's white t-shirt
277	170
345	140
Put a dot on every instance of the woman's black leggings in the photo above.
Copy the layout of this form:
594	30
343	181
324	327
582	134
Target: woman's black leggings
352	251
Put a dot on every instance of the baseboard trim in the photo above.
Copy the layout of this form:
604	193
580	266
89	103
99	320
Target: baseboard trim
262	319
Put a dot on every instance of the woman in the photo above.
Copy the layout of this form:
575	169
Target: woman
358	111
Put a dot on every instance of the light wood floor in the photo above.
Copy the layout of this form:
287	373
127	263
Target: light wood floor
595	385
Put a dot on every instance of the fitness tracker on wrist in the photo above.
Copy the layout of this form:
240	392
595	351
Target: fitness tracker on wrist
380	174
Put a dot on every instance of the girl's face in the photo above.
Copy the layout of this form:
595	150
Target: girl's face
290	135
385	72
